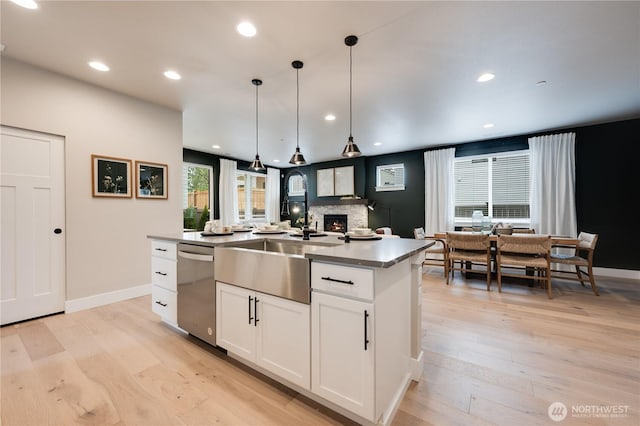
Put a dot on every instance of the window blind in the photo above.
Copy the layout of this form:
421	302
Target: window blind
497	185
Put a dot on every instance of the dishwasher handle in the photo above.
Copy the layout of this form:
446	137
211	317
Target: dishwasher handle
193	256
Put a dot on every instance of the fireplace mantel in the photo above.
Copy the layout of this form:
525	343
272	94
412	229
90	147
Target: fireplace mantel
355	209
350	201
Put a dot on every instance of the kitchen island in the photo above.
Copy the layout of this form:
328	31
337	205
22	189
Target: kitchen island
352	345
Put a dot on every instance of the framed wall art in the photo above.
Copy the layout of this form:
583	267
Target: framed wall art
325	182
111	177
343	180
151	180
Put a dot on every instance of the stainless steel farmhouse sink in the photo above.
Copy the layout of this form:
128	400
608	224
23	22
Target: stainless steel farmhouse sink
273	267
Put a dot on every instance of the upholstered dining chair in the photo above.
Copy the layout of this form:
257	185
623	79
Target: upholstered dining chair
526	253
437	254
581	258
468	250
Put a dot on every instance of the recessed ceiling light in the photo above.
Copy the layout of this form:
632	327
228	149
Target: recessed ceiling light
329	117
172	75
541	83
488	125
97	65
215	146
276	161
246	29
377	143
485	77
27	4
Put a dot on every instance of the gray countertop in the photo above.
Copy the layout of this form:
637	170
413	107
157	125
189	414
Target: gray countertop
381	253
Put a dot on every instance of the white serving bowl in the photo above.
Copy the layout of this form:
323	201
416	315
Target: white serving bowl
362	231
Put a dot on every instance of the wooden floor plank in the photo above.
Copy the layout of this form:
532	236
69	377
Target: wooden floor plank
39	341
23	399
74	397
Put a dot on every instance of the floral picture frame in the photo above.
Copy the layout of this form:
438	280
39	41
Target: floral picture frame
111	177
151	180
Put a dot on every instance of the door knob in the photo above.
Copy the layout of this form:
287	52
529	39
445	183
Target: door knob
57	231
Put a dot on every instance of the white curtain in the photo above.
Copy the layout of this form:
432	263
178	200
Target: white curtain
272	201
439	191
553	176
228	192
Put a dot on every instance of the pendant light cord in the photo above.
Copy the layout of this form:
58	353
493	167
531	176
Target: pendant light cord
350	88
297	108
256	119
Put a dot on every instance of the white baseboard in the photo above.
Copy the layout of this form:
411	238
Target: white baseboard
416	367
89	302
617	273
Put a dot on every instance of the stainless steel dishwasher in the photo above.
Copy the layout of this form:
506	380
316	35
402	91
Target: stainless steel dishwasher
197	292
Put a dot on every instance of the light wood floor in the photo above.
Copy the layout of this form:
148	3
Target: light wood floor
490	358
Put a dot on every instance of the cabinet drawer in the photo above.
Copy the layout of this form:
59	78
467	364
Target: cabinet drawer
163	273
342	280
164	303
163	249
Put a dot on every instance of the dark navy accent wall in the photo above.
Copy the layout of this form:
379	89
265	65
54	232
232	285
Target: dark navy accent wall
401	210
608	190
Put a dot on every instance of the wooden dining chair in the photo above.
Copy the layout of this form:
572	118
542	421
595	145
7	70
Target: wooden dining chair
437	254
523	231
468	250
581	258
524	256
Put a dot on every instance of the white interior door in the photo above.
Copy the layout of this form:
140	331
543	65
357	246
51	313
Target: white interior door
31	225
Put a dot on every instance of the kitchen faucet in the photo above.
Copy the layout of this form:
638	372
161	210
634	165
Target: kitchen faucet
305	228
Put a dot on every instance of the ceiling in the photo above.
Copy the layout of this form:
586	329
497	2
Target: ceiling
414	67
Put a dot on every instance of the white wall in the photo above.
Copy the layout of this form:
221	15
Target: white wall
107	248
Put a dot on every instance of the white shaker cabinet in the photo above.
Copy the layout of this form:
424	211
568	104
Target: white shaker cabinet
164	280
360	337
343	352
269	331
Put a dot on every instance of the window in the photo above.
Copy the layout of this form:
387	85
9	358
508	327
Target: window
197	193
390	177
296	185
251	195
498	185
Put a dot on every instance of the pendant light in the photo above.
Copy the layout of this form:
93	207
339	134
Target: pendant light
257	164
297	158
351	149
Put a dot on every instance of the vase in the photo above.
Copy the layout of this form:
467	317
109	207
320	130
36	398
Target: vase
476	220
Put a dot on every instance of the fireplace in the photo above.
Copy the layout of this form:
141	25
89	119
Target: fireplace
335	222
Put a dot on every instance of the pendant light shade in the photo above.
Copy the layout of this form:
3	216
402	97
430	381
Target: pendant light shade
297	158
257	164
351	149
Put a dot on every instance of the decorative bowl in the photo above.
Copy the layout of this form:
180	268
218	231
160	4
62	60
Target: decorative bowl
362	231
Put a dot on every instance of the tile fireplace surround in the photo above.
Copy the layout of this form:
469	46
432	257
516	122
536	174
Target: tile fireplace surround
356	214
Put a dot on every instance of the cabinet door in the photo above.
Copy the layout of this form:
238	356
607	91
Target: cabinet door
284	338
235	329
341	368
